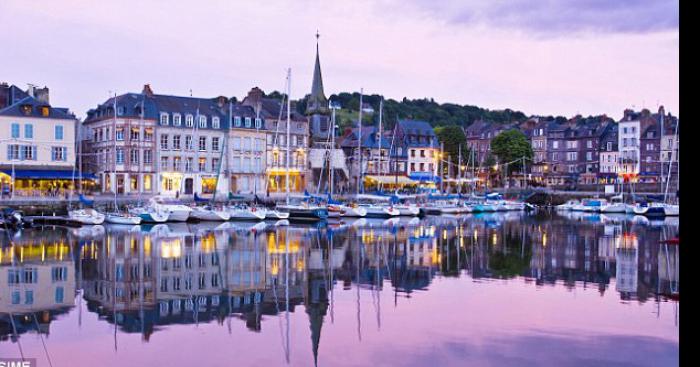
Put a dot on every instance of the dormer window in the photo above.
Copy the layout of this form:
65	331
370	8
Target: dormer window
247	121
26	109
215	124
164	118
258	122
237	121
120	110
45	111
202	121
177	119
189	120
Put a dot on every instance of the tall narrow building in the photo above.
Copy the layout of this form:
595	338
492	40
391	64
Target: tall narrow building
317	104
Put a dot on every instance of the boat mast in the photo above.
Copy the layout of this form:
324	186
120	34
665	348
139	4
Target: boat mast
670	161
459	169
330	159
379	158
289	106
114	171
359	144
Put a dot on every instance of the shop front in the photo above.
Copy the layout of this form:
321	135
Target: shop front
277	180
42	183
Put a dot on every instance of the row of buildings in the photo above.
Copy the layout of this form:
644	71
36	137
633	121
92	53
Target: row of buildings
149	143
641	147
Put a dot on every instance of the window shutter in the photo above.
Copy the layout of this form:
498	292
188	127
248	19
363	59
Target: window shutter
34	152
21	153
9	152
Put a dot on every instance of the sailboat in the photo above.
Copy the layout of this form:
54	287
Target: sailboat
209	212
116	217
303	210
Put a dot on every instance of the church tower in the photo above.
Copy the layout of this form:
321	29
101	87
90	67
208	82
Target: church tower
317	104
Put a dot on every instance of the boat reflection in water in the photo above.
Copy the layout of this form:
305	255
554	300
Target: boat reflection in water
149	280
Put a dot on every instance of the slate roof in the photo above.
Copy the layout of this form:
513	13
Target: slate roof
31	107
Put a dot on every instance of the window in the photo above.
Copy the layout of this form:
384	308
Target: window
247	143
148	134
134	156
237	121
422	153
13	152
624	130
589	144
135	134
164	118
571	156
589	156
147	156
58	154
58	132
214	164
202	143
258	122
14	131
164	163
202	164
177	163
188	142
413	154
119	135
15	297
247	122
609	146
177	119
246	165
624	142
176	142
28	297
28	153
215	124
215	144
29	131
164	141
555	144
236	143
120	155
202	121
188	164
189	120
236	164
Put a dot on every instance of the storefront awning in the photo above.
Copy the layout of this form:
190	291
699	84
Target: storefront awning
424	177
47	174
391	180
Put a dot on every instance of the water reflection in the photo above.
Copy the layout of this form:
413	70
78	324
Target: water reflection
146	280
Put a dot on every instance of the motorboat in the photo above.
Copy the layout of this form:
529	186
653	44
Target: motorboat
353	210
244	212
379	211
151	214
122	218
671	210
569	205
177	212
409	210
590	205
614	206
209	213
650	209
276	214
304	211
86	216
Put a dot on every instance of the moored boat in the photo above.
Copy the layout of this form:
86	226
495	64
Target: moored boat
244	212
209	213
87	216
151	214
122	218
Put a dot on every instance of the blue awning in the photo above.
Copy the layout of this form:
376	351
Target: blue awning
47	174
424	177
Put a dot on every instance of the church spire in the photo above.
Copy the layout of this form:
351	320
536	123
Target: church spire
317	103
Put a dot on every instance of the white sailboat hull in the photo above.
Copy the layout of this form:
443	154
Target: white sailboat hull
408	210
276	214
247	214
87	216
212	215
122	219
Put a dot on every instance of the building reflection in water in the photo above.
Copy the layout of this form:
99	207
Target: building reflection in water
142	279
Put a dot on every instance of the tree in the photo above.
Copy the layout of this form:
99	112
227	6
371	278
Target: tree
510	146
453	136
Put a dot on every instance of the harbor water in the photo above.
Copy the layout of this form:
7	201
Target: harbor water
503	289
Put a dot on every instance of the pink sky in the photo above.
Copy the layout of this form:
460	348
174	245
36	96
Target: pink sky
549	59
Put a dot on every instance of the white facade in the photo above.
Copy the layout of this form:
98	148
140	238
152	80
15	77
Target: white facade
628	146
423	160
37	142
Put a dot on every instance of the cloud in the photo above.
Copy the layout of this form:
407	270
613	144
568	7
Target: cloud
554	18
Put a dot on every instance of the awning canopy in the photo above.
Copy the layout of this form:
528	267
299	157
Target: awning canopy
47	174
424	177
391	180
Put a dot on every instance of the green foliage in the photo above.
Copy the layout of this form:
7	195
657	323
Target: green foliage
511	145
453	136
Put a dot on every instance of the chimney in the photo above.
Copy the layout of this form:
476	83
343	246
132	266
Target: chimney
42	94
255	95
661	110
221	101
147	90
